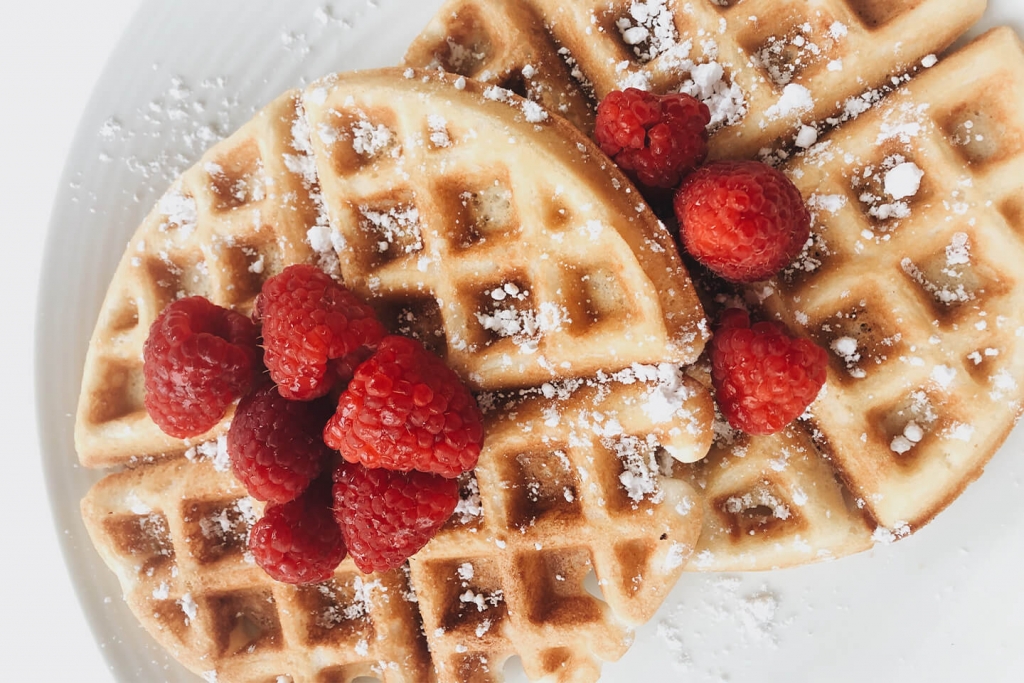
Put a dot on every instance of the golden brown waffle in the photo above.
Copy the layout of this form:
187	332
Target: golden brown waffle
175	534
912	282
772	502
765	67
917	300
517	246
498	235
569	482
446	204
905	449
228	223
520	57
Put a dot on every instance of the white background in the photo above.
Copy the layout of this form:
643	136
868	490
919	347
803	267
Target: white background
51	54
946	605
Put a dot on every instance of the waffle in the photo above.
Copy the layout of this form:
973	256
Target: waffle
883	451
504	240
175	534
911	281
516	273
569	484
766	68
916	301
772	502
228	223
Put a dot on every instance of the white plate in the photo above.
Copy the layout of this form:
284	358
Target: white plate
943	605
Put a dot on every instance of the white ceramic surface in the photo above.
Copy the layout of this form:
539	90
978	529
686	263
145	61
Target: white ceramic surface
943	605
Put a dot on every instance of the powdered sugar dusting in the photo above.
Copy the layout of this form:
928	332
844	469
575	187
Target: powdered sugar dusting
215	452
721	608
649	28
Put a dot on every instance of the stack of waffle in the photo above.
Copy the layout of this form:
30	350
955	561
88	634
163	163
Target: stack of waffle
493	230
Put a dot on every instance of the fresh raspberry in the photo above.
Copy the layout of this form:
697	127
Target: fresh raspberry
385	516
763	378
197	359
656	139
406	410
310	325
276	445
744	220
299	542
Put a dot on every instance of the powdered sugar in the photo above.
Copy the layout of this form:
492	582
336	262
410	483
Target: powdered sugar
640	466
469	507
514	317
369	140
649	28
398	228
721	608
215	452
903	180
794	101
180	211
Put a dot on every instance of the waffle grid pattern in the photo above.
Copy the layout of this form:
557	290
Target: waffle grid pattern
499	276
917	301
553	507
382	201
790	60
234	219
175	533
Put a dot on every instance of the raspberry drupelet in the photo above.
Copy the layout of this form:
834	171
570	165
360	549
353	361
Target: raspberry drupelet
314	331
744	220
656	139
763	378
386	516
406	410
197	360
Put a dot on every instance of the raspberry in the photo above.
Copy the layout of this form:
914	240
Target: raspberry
310	325
763	378
656	139
197	359
299	542
276	445
385	516
406	410
744	220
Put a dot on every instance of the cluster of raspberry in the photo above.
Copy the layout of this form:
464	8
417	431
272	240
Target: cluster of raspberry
742	220
354	438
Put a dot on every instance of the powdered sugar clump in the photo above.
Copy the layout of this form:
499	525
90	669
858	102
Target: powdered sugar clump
397	227
903	180
640	466
369	140
703	79
180	211
215	452
795	100
513	317
649	28
469	506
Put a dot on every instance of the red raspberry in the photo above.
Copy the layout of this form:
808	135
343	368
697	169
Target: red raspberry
276	445
656	139
763	378
299	542
197	359
310	325
406	410
742	219
385	516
